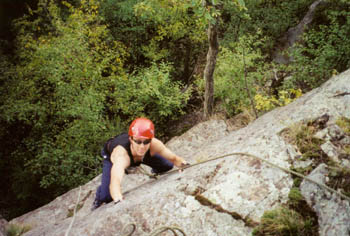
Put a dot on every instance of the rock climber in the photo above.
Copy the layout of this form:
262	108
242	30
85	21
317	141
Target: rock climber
130	150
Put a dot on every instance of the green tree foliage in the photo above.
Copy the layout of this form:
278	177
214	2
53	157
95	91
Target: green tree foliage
176	19
322	52
83	69
150	93
126	27
232	84
269	18
157	31
66	93
53	99
325	49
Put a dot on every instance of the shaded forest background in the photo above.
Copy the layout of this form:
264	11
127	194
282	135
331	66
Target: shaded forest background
74	73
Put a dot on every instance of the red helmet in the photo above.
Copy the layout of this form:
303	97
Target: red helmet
141	128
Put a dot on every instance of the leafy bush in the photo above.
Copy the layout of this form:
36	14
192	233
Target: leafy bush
127	28
269	102
66	95
267	19
156	31
56	100
325	48
231	85
150	93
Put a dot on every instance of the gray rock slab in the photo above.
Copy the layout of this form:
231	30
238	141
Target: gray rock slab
3	225
333	213
203	199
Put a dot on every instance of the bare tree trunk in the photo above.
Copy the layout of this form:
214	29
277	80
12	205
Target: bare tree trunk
209	70
293	34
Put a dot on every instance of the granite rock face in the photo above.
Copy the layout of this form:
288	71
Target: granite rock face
3	225
221	197
333	213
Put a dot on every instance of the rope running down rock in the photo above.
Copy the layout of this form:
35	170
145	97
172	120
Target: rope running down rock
266	161
74	214
155	232
173	228
165	228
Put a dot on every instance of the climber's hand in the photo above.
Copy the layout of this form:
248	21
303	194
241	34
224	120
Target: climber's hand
183	166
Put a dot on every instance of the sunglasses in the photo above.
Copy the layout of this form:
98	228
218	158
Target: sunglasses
144	142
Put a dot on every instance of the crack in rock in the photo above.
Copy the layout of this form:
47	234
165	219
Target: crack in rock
206	202
193	190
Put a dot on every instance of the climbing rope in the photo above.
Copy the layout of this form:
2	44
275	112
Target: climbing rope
264	160
74	213
155	232
171	228
166	228
174	228
145	172
132	230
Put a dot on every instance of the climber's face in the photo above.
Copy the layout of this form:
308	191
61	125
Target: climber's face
140	146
